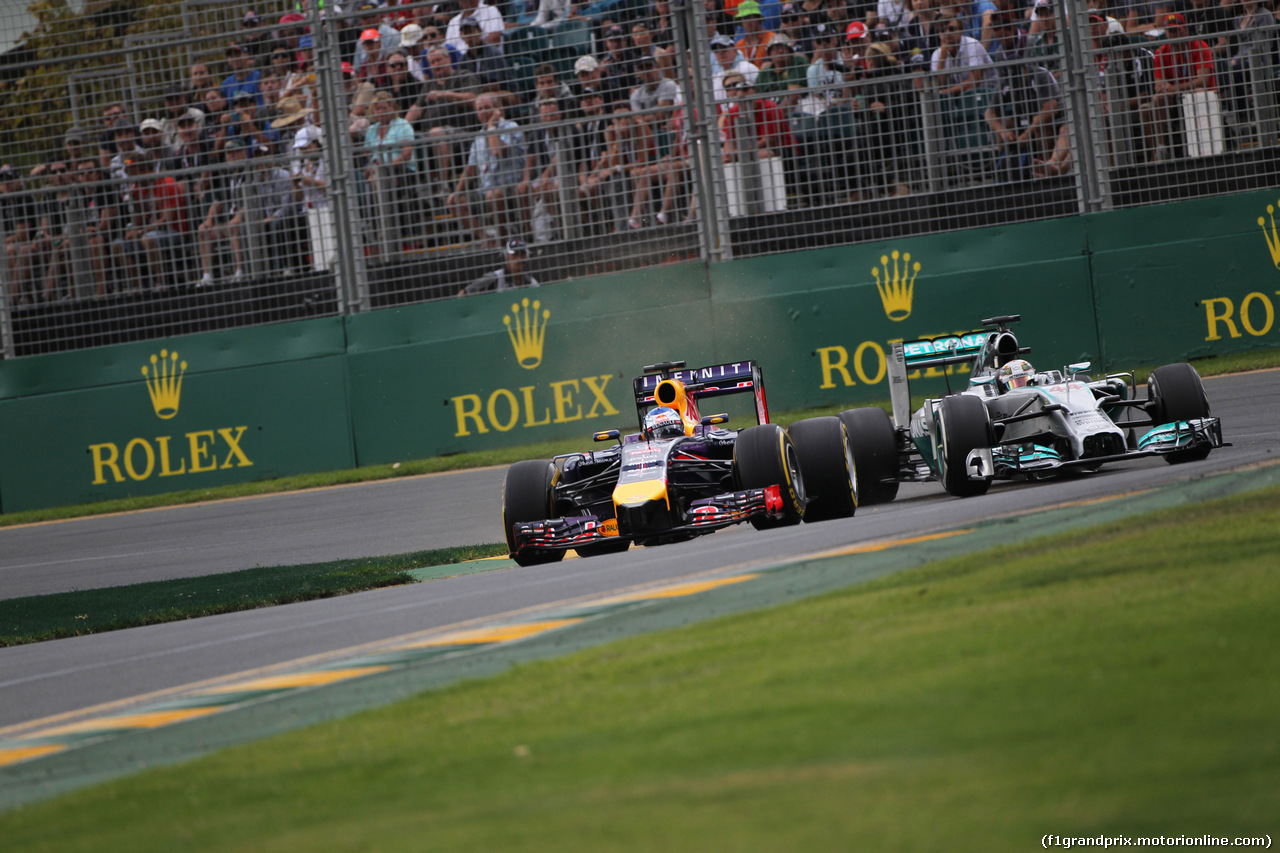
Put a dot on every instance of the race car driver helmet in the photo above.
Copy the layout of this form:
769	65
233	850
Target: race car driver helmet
662	423
1016	374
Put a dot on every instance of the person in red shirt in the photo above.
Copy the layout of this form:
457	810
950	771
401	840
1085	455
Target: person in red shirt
1181	66
773	133
158	222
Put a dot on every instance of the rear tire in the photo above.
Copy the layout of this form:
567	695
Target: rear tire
963	425
875	454
1177	394
765	456
827	465
527	496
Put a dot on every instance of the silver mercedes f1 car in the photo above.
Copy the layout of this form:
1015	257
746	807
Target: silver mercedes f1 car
1011	421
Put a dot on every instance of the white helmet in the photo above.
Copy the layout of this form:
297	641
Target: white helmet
1015	374
663	423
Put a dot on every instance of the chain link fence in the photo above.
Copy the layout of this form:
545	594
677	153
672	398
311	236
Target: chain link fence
177	168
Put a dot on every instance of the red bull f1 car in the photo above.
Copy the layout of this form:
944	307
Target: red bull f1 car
683	474
1011	421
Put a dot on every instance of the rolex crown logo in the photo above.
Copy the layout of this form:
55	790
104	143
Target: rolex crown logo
896	288
1273	239
527	332
164	382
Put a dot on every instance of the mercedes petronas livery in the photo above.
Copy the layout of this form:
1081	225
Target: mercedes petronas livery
683	474
1014	422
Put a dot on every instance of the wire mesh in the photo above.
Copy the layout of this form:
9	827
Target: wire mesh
175	168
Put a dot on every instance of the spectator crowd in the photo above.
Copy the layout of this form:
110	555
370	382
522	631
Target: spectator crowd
516	124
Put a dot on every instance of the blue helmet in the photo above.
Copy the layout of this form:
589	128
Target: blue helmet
661	423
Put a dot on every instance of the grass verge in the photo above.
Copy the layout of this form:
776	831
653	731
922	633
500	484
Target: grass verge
1115	681
478	459
70	614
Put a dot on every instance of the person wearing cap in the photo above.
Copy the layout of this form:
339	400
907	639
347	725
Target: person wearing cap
243	77
152	143
782	75
254	36
589	73
370	61
755	41
493	165
511	275
156	222
725	59
242	120
75	142
1181	66
772	132
309	189
194	153
488	17
823	79
414	50
373	27
592	159
484	59
1044	42
224	205
447	110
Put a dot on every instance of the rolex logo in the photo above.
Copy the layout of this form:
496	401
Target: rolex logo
527	332
1273	240
897	288
164	382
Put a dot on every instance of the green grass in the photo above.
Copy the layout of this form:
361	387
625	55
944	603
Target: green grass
477	459
1113	681
70	614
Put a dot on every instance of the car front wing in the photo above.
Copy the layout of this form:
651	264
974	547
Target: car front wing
704	515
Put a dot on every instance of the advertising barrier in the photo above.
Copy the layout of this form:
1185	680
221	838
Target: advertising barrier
1122	289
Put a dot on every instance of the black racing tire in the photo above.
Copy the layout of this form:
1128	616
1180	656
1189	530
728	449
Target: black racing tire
875	454
827	466
601	549
765	456
963	425
1176	393
527	496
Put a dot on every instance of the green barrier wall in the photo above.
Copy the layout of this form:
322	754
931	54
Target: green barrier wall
1187	280
1122	289
230	407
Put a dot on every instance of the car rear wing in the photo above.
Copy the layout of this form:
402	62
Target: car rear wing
716	380
977	349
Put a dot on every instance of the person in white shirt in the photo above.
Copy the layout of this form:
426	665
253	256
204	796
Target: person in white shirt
964	58
488	17
726	60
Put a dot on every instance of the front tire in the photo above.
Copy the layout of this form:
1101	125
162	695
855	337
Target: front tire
765	456
1177	394
827	465
527	496
963	426
875	454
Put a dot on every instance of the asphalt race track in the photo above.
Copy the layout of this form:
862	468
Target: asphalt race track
45	679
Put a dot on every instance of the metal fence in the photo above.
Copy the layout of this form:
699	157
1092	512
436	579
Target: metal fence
176	168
